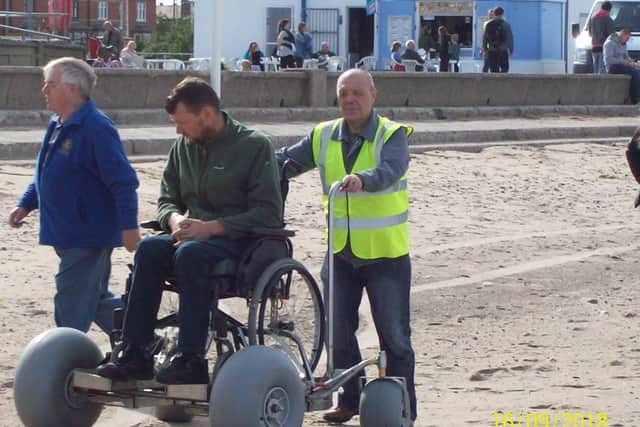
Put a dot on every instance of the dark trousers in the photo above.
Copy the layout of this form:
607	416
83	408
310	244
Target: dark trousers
498	61
191	262
634	88
485	66
388	284
287	61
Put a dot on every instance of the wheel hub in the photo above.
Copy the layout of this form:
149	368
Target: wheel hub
276	407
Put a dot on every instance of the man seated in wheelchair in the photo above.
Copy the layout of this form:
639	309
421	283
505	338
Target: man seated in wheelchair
221	180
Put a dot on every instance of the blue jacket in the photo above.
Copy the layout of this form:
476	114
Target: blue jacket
83	185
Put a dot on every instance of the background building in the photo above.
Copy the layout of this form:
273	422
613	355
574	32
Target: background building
83	18
357	28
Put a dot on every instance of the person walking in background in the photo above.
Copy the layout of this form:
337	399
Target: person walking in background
303	44
369	155
454	52
286	44
600	26
85	190
485	66
618	61
443	48
498	40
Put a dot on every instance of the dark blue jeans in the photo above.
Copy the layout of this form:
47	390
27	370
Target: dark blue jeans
82	285
634	88
388	283
191	264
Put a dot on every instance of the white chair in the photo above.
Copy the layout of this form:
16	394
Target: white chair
311	64
410	65
336	64
199	64
368	63
270	63
153	64
172	64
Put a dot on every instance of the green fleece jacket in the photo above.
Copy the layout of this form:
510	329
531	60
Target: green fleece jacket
233	178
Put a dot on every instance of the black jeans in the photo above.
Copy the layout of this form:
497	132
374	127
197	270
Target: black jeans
191	263
388	285
499	61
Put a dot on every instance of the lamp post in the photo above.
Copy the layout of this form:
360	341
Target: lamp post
216	74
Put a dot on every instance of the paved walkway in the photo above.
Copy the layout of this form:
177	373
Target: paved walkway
22	143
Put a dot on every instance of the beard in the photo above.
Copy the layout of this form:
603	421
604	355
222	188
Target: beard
205	132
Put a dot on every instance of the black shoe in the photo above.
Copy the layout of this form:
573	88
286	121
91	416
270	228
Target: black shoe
184	369
135	363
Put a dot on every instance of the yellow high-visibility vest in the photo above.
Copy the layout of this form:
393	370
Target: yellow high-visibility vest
376	224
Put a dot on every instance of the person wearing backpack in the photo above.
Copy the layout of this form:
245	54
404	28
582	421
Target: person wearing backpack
498	42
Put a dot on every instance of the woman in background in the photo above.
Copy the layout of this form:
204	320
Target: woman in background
303	44
254	55
286	42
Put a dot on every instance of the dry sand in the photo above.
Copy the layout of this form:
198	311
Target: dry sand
525	289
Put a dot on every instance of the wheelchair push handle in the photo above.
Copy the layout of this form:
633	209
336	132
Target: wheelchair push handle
333	191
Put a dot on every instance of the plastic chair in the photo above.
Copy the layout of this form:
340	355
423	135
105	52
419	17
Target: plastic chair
367	62
336	63
410	65
172	64
311	64
270	63
198	64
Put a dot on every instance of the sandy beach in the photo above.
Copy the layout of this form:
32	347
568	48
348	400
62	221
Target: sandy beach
525	293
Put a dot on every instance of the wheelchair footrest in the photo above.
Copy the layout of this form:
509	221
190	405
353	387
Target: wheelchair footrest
88	380
187	391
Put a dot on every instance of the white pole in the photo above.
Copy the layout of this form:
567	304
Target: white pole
215	45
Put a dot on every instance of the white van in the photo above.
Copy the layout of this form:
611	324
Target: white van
625	14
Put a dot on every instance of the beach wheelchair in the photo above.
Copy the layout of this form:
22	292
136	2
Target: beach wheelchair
263	373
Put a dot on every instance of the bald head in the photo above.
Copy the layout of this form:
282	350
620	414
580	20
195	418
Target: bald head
356	96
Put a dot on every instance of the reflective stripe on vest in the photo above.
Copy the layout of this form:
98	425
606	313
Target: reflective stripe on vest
375	223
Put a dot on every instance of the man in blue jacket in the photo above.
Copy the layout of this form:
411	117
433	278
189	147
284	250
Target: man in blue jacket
85	190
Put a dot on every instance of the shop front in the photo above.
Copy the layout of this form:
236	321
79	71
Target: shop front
539	29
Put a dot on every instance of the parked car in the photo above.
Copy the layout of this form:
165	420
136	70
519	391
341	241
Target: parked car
625	14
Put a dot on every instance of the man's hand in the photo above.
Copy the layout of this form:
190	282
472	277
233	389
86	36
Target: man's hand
195	229
351	183
16	217
174	221
130	238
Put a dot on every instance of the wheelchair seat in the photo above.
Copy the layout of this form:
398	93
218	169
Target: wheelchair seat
237	277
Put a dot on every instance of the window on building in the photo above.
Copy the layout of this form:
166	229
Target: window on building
455	16
141	12
74	11
103	10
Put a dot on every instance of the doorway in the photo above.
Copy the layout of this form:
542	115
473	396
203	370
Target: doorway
360	34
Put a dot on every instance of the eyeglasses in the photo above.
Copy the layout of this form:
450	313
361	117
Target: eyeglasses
51	83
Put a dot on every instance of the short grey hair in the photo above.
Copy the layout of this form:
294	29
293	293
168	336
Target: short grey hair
74	71
409	42
361	71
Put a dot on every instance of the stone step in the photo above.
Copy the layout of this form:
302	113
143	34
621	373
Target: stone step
150	117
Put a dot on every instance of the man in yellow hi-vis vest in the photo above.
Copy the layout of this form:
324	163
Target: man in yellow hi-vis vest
369	154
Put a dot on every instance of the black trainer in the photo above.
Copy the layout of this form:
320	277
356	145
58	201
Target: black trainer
184	369
134	364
